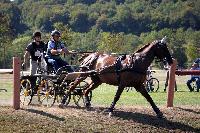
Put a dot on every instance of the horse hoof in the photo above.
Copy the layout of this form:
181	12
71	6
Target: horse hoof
88	109
61	105
87	105
110	114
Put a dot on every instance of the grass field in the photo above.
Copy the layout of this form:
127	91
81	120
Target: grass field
132	113
104	94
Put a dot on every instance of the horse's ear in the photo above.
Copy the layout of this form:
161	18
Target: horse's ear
163	41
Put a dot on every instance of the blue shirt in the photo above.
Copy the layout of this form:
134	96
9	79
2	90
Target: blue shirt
54	45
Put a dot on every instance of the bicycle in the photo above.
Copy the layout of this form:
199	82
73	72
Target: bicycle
152	83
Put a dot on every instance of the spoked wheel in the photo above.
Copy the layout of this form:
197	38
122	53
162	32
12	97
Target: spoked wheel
25	92
78	96
46	93
60	93
152	85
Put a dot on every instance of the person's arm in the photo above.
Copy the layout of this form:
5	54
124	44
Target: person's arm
52	50
56	52
27	53
26	56
65	50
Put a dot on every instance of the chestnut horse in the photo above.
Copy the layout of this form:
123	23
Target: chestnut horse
127	71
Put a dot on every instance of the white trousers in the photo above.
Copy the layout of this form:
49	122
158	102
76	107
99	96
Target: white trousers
33	67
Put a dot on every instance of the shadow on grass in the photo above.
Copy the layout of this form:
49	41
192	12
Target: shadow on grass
146	119
44	114
188	110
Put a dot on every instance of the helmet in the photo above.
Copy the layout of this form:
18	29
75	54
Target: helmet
37	33
55	32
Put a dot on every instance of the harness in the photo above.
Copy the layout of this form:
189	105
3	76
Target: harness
118	66
130	67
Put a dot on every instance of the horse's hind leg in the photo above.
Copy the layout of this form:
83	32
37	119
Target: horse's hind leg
116	98
143	91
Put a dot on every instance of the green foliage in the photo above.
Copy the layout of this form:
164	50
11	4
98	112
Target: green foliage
66	33
19	45
192	52
5	38
119	26
111	42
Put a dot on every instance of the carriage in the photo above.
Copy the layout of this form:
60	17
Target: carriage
48	87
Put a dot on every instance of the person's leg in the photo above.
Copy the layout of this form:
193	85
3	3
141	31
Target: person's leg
54	63
166	81
33	69
64	63
189	83
198	84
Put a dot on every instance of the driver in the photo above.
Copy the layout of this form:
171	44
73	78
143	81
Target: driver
54	49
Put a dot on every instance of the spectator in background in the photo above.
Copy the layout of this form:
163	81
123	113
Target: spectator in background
194	78
197	60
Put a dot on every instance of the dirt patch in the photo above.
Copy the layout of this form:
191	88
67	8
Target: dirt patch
124	119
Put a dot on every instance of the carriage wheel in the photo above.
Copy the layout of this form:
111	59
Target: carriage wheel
152	85
78	96
25	92
46	93
60	92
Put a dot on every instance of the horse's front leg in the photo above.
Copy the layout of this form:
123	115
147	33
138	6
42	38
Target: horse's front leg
144	92
91	87
116	98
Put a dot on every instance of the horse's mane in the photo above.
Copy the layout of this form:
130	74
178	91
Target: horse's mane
142	48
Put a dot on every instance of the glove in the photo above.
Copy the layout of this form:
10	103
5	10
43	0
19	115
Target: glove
73	51
59	50
23	66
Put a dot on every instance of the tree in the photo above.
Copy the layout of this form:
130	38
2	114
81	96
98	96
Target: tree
80	22
5	38
111	42
192	52
66	33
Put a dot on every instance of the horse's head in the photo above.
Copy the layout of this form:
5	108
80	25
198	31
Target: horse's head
162	52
